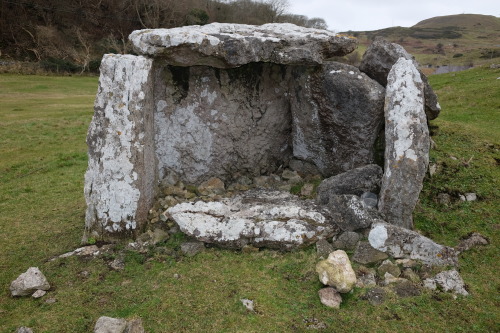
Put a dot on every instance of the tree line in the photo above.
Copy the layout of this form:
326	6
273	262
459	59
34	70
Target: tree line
73	34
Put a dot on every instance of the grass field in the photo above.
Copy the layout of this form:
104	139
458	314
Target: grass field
43	122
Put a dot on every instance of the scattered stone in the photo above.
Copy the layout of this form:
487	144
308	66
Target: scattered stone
432	169
400	242
261	218
378	61
291	177
314	324
406	144
336	271
405	288
224	45
346	241
369	200
323	248
118	264
159	236
388	266
470	196
448	281
212	186
29	282
444	199
389	279
39	293
376	296
472	240
410	275
248	304
50	300
110	325
330	297
190	249
356	181
366	254
307	190
365	277
407	263
350	214
24	329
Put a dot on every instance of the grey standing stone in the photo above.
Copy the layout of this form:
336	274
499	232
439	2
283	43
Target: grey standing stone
29	282
119	183
366	178
110	325
224	45
346	240
337	115
366	254
330	297
378	60
407	144
403	243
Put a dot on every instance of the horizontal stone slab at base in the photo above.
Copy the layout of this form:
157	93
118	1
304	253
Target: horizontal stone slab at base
261	218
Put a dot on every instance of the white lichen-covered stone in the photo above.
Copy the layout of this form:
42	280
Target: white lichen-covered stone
407	144
261	218
119	182
29	282
400	242
225	45
336	271
447	281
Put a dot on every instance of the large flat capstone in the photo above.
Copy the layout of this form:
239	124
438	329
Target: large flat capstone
225	45
260	218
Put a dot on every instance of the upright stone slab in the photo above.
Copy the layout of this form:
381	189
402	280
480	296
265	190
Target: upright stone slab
120	179
407	144
337	115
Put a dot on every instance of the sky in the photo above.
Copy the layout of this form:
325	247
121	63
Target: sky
366	15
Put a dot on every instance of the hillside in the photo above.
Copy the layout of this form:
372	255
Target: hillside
458	40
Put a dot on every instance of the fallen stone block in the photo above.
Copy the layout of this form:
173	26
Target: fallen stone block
29	282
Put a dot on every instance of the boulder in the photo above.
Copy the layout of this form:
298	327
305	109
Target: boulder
377	62
191	249
110	325
406	144
400	242
119	185
350	214
336	271
29	282
337	114
346	240
365	277
366	254
225	45
356	181
330	297
262	218
388	266
448	281
323	248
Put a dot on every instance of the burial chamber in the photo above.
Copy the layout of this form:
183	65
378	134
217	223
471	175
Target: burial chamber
222	100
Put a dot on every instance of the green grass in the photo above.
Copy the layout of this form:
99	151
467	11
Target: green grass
43	122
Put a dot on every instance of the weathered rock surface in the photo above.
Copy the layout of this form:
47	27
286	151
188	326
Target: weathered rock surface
24	329
377	62
330	297
346	240
388	266
323	248
407	144
366	254
448	281
261	218
350	214
472	240
191	249
224	45
403	243
120	182
110	325
337	115
29	282
337	272
362	179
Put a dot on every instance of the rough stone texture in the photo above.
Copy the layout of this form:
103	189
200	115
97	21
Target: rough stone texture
120	179
366	254
330	297
336	271
369	199
191	249
350	214
39	293
376	296
337	115
323	248
110	325
213	122
448	281
405	288
29	282
472	240
232	45
407	144
366	178
399	242
261	218
248	304
24	329
346	240
377	62
388	266
211	186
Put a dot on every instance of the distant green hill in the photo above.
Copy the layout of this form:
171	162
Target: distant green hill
463	40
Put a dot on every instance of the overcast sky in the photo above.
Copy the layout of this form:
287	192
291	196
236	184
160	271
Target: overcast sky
364	15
